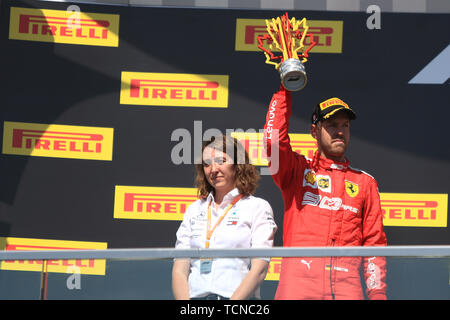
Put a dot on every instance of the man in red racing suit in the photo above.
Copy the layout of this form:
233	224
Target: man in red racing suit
326	203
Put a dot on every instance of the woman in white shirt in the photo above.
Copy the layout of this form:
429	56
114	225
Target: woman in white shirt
226	215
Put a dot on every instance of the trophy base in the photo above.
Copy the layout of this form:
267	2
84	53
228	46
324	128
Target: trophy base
293	75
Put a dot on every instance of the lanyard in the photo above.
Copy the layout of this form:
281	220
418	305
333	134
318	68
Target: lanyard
210	231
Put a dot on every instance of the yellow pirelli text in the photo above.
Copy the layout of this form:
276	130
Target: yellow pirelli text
64	26
152	203
58	141
274	270
414	209
82	266
253	143
174	89
326	33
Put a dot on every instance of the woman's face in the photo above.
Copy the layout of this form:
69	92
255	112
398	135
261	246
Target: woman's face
219	170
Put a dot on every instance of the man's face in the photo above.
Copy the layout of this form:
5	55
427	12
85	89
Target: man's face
333	136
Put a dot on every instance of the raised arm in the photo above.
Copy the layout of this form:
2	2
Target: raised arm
276	139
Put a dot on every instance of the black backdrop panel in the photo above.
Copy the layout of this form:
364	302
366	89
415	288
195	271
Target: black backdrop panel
400	136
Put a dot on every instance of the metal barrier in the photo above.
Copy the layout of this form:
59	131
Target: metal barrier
153	266
167	253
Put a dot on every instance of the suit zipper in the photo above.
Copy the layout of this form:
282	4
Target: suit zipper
331	274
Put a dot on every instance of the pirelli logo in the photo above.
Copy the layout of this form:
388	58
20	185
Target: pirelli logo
327	34
85	266
274	270
303	144
152	203
60	26
59	141
174	89
414	210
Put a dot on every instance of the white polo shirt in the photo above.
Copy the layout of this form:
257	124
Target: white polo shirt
249	224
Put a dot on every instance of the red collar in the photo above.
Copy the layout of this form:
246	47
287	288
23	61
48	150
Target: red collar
325	163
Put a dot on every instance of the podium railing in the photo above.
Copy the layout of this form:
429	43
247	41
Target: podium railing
413	272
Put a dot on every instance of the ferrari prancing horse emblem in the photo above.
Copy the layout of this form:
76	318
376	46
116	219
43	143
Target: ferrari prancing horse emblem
351	188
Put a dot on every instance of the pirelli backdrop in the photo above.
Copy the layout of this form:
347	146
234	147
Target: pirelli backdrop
103	109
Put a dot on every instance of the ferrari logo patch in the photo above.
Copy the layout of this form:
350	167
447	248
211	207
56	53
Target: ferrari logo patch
351	188
310	178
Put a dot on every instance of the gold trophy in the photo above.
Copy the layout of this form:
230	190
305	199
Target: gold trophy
285	36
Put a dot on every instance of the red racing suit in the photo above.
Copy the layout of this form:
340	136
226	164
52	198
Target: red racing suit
326	203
